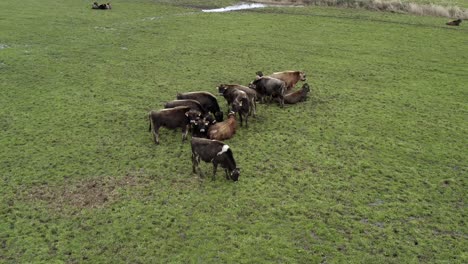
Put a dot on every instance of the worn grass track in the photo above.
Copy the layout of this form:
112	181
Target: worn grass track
371	169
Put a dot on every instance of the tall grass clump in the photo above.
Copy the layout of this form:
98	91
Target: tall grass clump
386	6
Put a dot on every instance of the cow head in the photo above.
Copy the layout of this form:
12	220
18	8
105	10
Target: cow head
302	76
193	115
221	89
259	74
200	127
234	174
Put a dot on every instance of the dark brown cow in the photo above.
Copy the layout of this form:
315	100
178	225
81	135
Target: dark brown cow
172	118
216	152
297	96
101	6
290	78
454	22
226	91
268	86
193	104
224	130
207	100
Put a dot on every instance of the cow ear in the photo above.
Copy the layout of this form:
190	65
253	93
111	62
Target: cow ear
186	114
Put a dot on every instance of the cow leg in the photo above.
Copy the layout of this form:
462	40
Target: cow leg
240	117
196	161
184	133
228	177
254	108
156	135
215	166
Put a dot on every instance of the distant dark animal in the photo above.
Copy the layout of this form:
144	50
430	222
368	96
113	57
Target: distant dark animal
216	152
454	23
207	101
172	118
268	86
290	78
297	96
226	90
101	6
224	130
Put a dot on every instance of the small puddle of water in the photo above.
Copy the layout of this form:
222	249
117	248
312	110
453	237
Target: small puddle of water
234	8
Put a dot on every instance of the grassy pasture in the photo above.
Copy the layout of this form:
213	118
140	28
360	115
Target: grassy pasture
371	169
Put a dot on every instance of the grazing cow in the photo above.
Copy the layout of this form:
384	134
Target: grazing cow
223	130
101	6
216	152
290	78
268	86
207	101
454	23
226	90
171	118
297	96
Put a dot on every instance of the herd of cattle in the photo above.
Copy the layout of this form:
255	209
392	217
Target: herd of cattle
199	113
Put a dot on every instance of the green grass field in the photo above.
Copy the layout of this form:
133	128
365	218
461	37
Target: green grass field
371	169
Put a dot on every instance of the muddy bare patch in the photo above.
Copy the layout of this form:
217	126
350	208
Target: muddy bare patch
90	193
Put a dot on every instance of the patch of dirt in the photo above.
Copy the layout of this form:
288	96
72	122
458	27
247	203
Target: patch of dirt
90	193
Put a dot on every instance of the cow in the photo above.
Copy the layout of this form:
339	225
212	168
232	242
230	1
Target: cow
226	91
224	130
454	23
216	152
199	126
193	104
290	78
101	6
268	86
207	101
172	118
297	96
241	105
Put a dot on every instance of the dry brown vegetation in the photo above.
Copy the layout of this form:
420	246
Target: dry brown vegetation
383	5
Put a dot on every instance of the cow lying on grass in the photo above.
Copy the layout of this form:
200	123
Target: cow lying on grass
216	152
172	118
101	6
297	96
223	130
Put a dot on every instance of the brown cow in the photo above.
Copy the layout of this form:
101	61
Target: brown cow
290	78
171	118
223	130
216	152
297	96
454	23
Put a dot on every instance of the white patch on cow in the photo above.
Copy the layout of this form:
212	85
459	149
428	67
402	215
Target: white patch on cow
224	149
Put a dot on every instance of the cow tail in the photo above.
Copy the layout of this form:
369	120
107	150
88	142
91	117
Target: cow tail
149	119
